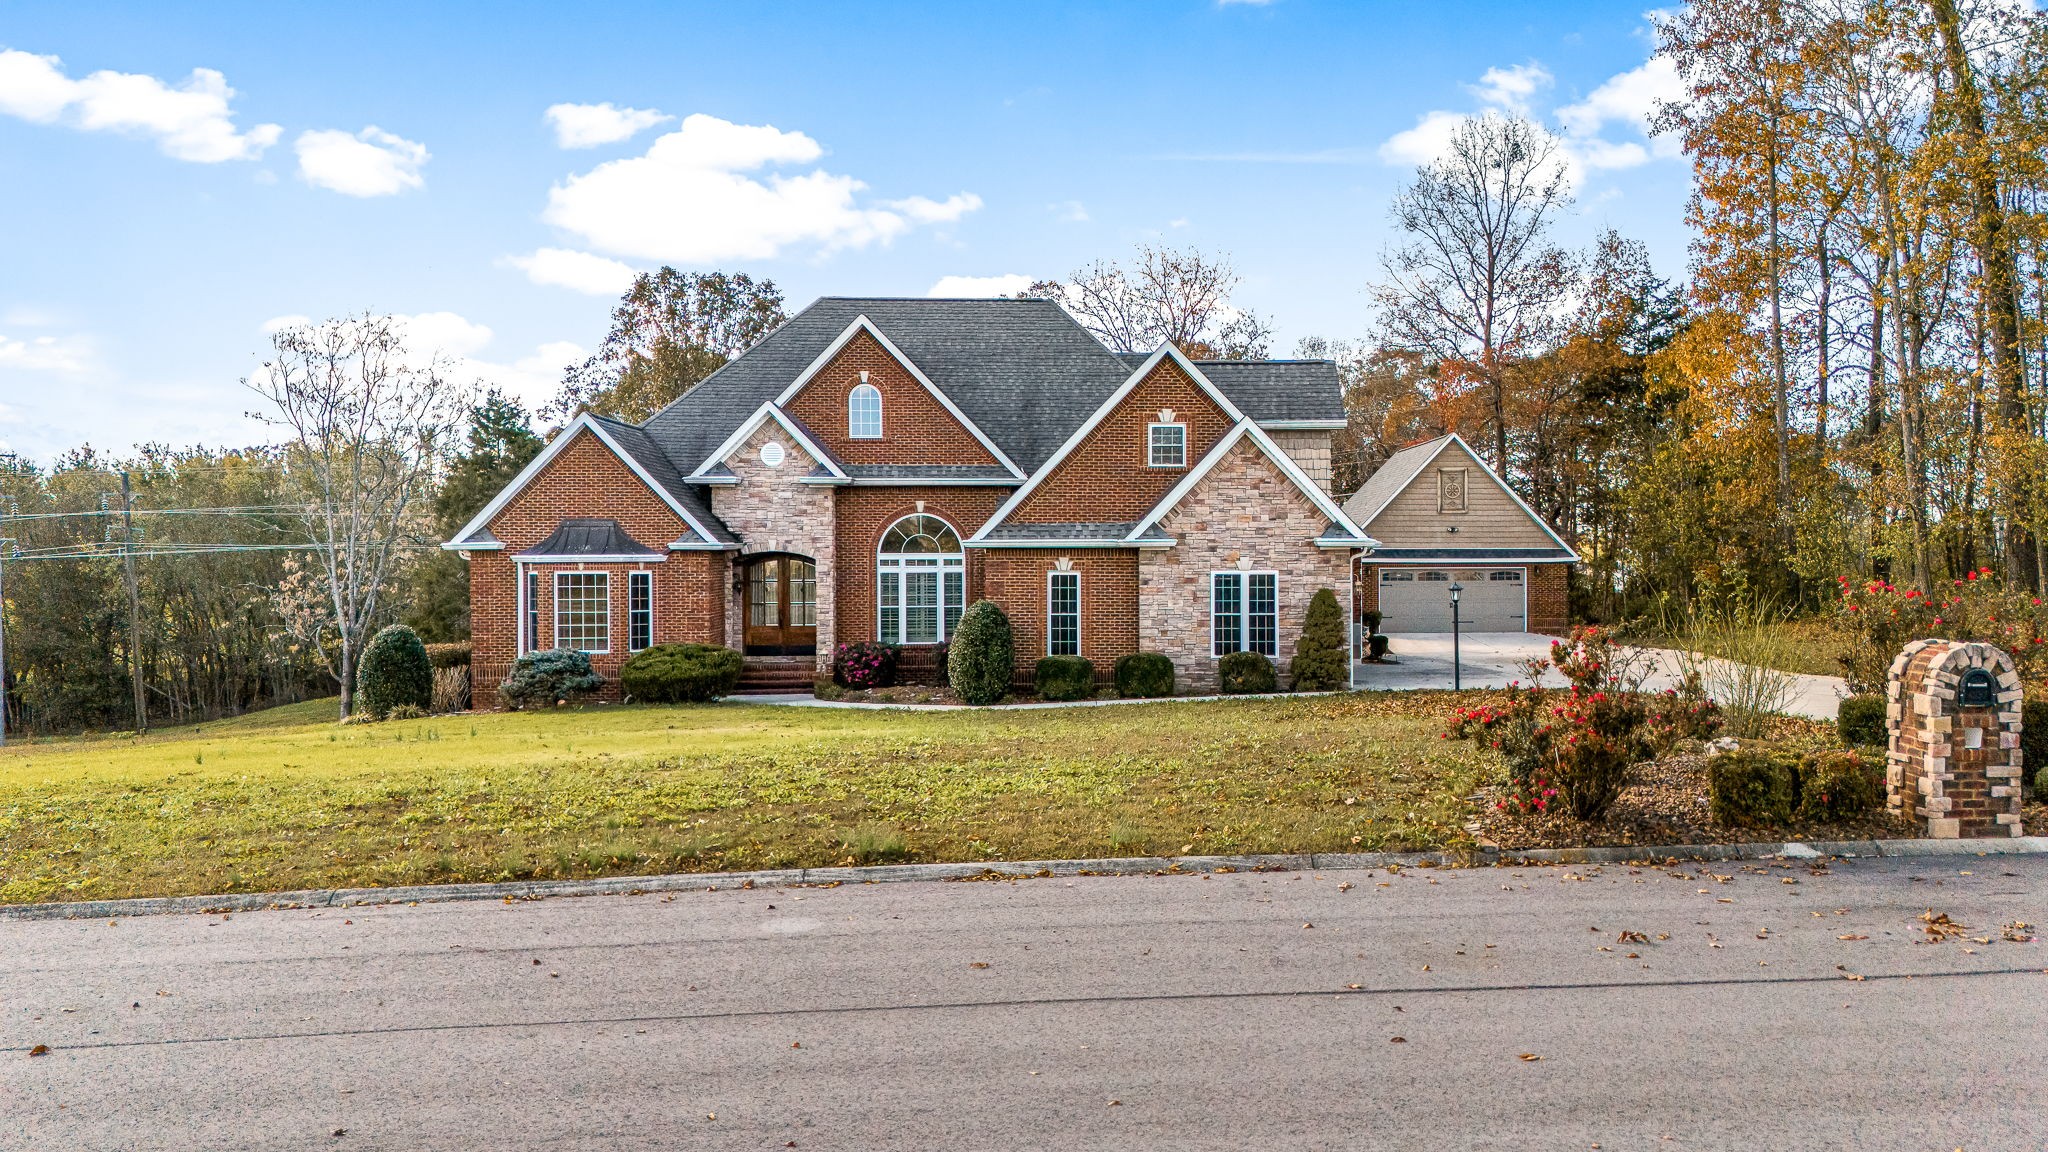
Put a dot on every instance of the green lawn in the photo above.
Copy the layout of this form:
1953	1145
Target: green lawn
288	799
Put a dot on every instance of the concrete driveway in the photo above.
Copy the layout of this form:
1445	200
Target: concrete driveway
1494	659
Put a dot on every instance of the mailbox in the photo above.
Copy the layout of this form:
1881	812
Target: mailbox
1978	690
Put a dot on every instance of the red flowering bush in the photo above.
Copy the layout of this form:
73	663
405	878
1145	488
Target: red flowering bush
1876	618
1574	744
864	664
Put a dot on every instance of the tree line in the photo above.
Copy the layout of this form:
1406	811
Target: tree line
1850	378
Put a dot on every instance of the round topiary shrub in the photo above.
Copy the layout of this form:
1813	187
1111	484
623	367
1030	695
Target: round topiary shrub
680	674
1319	664
1242	672
394	671
554	676
864	664
1376	647
1064	678
1144	676
1861	720
981	658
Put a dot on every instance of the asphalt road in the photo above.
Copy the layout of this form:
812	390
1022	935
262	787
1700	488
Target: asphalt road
1240	1011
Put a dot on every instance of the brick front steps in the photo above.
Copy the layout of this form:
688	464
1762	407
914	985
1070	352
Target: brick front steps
778	674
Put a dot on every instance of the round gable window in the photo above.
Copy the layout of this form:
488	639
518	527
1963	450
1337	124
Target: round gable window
771	454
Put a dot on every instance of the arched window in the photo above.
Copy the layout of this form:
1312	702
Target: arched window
920	581
864	413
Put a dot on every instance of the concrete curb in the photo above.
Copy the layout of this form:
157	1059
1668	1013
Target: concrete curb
1014	870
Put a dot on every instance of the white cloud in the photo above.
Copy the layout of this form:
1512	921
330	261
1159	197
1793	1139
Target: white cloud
372	162
445	333
1511	88
1629	100
1009	284
66	355
581	271
190	121
1424	142
689	199
458	343
1069	211
534	377
589	125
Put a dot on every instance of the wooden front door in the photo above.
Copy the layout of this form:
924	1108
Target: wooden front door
782	606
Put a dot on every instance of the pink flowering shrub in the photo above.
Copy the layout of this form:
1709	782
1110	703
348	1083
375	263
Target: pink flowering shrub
1875	619
864	664
1574	745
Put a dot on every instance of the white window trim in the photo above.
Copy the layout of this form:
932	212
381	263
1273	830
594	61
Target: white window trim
857	390
633	578
1049	578
1244	610
947	562
1150	462
607	578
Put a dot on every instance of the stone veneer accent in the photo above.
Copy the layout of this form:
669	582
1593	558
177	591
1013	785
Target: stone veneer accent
1931	773
1244	514
771	510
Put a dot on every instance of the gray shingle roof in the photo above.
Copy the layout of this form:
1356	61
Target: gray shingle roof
1058	532
938	472
1022	370
1383	485
585	536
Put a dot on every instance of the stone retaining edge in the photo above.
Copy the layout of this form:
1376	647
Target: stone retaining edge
1011	870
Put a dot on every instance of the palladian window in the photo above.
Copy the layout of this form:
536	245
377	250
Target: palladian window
920	581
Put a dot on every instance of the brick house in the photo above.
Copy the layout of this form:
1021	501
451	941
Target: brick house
1442	517
874	465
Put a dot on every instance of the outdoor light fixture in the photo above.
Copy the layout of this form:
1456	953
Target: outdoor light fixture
1457	671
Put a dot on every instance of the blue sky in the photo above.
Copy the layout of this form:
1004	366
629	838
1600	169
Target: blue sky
403	158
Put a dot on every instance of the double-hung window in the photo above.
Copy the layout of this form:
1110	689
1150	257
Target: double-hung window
1244	613
639	611
1063	614
583	611
1166	445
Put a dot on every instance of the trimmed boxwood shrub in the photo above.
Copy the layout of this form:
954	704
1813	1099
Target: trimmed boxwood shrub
1242	672
1376	647
981	659
1861	720
1144	675
451	655
681	674
864	664
554	676
1839	786
1319	656
1371	618
394	671
1749	788
1064	678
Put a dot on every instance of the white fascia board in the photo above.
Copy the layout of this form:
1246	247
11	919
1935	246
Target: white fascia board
1304	425
635	558
767	411
1055	545
1245	429
1101	413
931	482
826	481
478	546
701	546
863	324
1469	562
1454	438
713	481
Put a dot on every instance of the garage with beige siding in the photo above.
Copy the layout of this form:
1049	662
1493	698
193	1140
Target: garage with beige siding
1442	517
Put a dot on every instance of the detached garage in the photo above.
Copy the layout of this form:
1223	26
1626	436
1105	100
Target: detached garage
1443	517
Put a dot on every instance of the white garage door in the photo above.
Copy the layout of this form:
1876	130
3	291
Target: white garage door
1419	599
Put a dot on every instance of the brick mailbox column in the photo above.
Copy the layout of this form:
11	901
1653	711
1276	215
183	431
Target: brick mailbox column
1954	719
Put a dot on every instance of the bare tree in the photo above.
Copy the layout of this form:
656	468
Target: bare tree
1476	285
1163	295
369	426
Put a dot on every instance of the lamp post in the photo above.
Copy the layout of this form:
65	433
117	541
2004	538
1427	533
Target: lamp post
1457	670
